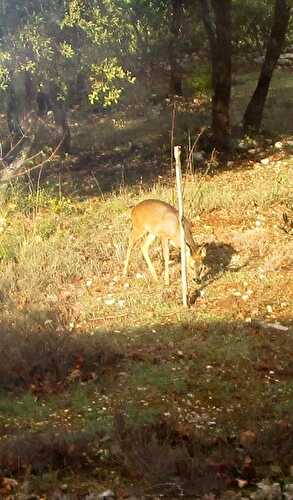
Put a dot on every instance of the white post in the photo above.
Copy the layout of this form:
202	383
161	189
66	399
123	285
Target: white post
177	153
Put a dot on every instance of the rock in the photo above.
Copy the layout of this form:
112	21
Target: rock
259	59
287	55
106	495
288	492
278	145
276	492
258	495
284	62
267	491
265	161
243	145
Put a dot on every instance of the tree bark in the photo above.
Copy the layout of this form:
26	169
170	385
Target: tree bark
13	115
19	104
219	31
174	53
60	117
254	111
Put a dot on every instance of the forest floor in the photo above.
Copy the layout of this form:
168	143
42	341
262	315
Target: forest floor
106	381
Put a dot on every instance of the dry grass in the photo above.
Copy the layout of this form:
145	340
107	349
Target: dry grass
65	257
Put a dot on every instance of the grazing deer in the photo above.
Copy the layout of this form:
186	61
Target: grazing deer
157	219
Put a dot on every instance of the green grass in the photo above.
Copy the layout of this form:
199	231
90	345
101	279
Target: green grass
161	378
26	407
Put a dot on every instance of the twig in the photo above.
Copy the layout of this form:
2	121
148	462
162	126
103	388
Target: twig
108	317
172	136
193	146
98	186
20	174
12	149
164	485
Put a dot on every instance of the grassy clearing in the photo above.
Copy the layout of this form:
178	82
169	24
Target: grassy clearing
107	381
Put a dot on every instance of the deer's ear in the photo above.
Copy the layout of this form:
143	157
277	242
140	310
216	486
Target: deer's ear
202	250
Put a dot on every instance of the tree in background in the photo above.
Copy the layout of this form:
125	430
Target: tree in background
32	53
176	22
217	19
65	52
254	112
251	27
45	49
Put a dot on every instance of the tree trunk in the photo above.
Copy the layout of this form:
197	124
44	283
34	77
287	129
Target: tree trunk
60	117
20	99
254	111
13	115
174	53
219	33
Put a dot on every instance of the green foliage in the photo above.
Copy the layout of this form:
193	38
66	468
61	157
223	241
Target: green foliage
66	50
84	39
4	72
200	82
26	407
104	80
34	42
107	37
252	21
159	377
42	198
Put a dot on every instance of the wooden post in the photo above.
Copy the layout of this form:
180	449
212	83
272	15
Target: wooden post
177	153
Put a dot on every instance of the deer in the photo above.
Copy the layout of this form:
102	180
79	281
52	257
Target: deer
156	219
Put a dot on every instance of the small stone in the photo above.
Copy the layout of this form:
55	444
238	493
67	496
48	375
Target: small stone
276	492
288	493
108	495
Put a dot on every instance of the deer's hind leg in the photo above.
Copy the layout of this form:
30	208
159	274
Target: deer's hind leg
145	248
133	238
